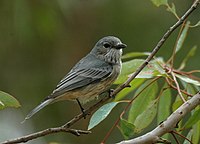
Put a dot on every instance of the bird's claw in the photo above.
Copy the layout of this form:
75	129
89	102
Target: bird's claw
110	91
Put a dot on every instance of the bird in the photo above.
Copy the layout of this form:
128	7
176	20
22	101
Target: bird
90	77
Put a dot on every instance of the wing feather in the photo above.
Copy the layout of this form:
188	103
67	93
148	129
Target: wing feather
80	78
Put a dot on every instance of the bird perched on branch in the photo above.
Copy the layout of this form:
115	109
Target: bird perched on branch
90	77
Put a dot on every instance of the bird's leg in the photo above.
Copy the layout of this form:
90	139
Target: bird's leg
82	109
110	91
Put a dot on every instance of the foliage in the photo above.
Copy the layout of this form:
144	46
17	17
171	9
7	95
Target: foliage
148	102
6	100
153	95
101	114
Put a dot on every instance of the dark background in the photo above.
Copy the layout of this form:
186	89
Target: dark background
41	40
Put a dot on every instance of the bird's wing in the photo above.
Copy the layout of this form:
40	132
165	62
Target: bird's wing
81	77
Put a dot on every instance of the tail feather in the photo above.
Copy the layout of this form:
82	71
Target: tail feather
38	108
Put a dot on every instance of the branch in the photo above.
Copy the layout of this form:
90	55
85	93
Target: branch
155	50
65	127
158	46
168	125
46	132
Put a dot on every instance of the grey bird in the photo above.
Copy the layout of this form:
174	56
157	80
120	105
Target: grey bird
90	77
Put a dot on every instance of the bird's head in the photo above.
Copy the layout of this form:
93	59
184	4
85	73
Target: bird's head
109	49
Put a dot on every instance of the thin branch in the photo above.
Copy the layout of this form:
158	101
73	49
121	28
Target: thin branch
118	89
182	136
172	86
178	87
188	74
175	138
168	125
45	132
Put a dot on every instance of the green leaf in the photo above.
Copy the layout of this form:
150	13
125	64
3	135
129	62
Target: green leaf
126	128
1	103
189	136
145	118
190	54
178	102
188	80
189	87
129	67
101	114
134	84
197	24
197	88
159	2
172	9
196	133
182	37
193	119
141	103
164	105
6	100
135	54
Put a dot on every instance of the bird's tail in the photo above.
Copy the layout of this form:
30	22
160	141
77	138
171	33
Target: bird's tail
38	108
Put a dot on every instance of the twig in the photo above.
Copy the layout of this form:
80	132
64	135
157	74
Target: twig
188	74
182	136
177	85
172	86
168	125
175	138
45	132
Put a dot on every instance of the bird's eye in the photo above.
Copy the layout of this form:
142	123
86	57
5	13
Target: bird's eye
106	45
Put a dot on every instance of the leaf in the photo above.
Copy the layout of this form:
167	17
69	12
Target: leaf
197	24
196	133
140	104
188	80
129	67
6	100
135	54
189	136
172	9
178	102
190	54
145	118
1	103
197	88
164	107
134	84
193	119
101	114
159	2
189	87
182	36
126	128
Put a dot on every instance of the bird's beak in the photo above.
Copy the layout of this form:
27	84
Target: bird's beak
120	46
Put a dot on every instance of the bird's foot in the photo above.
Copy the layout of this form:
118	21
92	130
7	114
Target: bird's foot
110	91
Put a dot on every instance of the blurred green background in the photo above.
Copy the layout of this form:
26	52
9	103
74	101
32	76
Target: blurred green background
41	40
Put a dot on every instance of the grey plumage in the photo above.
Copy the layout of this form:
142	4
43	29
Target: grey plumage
91	76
